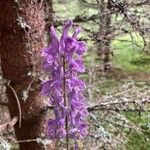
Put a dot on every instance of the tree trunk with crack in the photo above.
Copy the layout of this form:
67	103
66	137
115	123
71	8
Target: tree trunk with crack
22	31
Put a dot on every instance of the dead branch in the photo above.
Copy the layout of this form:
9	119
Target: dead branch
122	9
119	105
146	2
115	105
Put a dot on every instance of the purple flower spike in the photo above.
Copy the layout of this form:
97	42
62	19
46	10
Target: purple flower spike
63	61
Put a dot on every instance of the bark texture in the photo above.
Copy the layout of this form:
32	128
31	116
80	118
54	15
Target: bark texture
104	49
22	26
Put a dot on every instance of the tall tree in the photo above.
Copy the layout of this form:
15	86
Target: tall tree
104	49
22	32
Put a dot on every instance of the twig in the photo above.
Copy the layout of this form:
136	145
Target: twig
18	102
108	106
146	2
24	141
29	86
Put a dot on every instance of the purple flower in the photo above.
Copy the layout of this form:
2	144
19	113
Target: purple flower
63	61
76	65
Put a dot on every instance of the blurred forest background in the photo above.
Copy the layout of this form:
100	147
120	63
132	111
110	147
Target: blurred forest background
117	33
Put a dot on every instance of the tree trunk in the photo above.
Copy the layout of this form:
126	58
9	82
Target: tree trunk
22	34
104	49
48	18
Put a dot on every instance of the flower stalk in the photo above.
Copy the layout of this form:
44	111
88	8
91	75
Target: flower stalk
65	102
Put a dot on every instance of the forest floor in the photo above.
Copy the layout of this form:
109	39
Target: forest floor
141	79
113	84
131	66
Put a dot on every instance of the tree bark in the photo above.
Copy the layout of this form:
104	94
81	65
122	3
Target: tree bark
22	34
48	4
104	49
